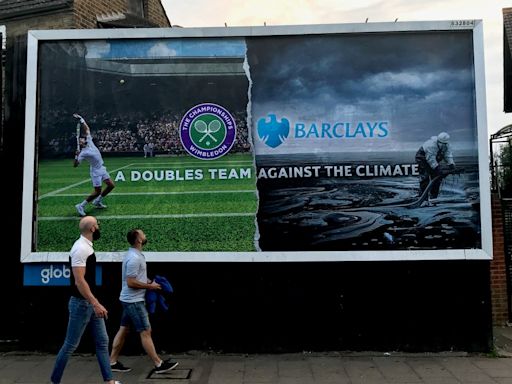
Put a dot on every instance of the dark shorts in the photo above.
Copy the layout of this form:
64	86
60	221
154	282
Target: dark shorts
135	316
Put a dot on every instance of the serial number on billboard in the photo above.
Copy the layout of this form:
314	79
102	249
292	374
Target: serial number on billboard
462	23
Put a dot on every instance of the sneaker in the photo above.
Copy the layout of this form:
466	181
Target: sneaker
99	204
166	366
80	210
119	367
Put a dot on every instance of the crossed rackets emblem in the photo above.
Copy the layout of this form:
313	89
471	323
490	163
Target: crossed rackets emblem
207	130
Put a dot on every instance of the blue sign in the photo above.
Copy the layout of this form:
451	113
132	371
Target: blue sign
51	274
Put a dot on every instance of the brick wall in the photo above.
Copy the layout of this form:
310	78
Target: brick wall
155	13
86	11
499	292
61	20
84	16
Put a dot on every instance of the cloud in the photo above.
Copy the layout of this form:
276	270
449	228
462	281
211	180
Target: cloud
161	50
417	81
97	49
198	13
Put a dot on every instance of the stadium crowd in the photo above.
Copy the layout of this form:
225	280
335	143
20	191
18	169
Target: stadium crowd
127	133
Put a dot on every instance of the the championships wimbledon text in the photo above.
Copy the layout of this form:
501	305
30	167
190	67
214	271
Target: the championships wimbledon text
289	172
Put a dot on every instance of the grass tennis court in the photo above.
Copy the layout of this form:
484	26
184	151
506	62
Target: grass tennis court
208	211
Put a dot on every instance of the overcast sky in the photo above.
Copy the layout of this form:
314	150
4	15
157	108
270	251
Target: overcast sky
425	89
202	13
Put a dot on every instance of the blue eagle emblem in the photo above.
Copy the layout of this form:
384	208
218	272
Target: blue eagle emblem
273	132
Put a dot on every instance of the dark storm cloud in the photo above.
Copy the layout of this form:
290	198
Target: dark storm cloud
415	79
300	64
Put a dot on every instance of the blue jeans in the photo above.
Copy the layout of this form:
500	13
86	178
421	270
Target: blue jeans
81	313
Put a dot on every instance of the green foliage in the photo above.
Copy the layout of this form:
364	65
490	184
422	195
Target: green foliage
505	171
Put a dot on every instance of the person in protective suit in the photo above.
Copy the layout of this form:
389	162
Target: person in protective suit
429	156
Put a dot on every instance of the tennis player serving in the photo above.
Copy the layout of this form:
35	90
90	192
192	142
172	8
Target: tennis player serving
89	152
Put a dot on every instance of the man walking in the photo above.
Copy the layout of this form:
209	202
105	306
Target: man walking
84	308
135	316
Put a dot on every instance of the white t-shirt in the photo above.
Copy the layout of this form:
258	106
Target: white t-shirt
82	255
92	154
134	265
81	250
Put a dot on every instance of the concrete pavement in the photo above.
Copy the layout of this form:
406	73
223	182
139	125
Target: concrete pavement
299	368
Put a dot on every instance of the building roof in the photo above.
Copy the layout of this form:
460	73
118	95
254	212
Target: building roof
15	8
125	20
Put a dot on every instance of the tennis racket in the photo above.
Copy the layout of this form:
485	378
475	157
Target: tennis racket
78	136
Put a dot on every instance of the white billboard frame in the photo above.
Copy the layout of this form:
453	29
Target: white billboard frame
27	255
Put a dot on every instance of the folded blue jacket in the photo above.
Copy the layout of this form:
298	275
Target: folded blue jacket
155	296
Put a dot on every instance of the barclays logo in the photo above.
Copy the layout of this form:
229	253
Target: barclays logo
273	133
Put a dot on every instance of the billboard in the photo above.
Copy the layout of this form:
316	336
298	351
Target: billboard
290	143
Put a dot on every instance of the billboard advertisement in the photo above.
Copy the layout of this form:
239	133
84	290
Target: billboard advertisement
300	143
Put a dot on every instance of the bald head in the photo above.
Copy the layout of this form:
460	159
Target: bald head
86	223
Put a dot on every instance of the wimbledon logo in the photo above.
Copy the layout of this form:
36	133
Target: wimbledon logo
273	132
207	131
